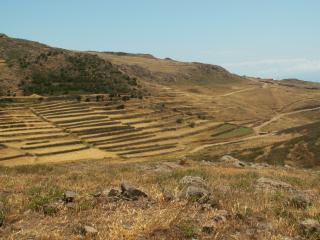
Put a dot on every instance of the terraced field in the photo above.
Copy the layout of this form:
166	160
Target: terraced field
63	130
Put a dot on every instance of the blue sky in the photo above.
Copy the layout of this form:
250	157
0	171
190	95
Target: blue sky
274	38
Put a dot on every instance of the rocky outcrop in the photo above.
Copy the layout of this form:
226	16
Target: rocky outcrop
230	161
268	184
126	192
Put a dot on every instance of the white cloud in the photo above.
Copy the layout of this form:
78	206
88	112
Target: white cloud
277	68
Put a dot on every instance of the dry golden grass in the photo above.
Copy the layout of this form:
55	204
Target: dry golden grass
26	189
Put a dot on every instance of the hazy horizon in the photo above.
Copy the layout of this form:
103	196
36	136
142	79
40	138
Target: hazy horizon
254	38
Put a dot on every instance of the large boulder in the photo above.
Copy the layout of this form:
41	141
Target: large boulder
268	184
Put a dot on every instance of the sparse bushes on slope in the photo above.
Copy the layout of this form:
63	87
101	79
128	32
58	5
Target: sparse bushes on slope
81	73
37	68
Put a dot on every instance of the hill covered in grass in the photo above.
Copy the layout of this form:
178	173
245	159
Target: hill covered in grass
168	71
32	68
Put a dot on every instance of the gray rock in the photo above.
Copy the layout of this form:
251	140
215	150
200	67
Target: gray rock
268	184
90	230
68	196
131	193
51	209
310	227
187	181
167	196
221	216
196	189
299	200
230	161
166	167
196	194
260	165
113	193
96	194
86	231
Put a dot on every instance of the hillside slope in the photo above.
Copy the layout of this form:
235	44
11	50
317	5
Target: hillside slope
174	73
186	108
28	67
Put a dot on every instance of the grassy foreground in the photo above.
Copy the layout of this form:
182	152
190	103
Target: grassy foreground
28	197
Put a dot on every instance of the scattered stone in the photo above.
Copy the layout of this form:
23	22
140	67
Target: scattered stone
167	196
208	228
206	207
86	231
166	167
195	189
51	209
97	194
288	166
197	194
68	196
127	192
131	193
264	226
268	184
90	230
230	161
206	163
221	216
260	165
310	227
193	181
299	200
114	193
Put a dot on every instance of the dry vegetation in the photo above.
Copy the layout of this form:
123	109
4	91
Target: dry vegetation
174	120
30	211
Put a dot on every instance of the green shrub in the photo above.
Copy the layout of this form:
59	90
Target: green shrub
42	196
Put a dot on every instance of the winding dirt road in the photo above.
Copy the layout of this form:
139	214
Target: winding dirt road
257	130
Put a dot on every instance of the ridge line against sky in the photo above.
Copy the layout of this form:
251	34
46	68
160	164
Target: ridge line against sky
271	39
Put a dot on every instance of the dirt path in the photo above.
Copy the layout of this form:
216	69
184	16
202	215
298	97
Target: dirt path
257	130
231	141
278	116
238	91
